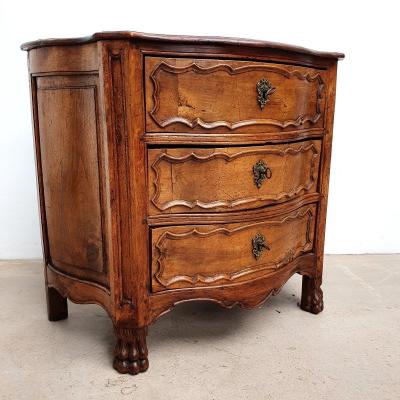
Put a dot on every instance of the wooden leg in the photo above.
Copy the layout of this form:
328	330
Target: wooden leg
311	295
57	308
130	353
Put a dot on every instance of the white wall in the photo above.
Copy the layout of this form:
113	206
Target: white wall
364	198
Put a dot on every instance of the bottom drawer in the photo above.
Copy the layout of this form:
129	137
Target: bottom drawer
210	255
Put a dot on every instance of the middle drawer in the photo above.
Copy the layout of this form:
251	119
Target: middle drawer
189	180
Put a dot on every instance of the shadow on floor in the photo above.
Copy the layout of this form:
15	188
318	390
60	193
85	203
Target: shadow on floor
190	321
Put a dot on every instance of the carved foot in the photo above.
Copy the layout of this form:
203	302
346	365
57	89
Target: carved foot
311	295
130	353
57	307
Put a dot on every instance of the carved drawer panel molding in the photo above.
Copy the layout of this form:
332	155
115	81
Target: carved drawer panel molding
204	95
204	255
223	179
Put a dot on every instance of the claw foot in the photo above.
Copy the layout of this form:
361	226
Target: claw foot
130	353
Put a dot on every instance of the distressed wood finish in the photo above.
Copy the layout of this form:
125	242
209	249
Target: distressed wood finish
71	174
165	174
223	179
206	255
180	92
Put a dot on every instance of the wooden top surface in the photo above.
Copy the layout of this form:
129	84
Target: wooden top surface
210	40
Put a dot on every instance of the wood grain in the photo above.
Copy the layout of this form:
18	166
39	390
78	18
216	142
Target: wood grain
222	179
221	95
64	60
179	39
192	256
71	174
77	290
247	295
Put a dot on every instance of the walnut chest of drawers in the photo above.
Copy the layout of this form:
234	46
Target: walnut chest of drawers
175	168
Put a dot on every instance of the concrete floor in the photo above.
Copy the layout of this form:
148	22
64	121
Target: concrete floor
201	352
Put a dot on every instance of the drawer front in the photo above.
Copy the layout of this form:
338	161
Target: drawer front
210	255
222	179
218	95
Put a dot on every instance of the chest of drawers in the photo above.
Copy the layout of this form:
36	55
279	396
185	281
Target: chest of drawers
174	168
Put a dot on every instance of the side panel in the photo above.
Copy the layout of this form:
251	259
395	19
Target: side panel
70	155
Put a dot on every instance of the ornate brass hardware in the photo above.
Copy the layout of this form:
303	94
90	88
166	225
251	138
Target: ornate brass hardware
264	89
261	172
259	245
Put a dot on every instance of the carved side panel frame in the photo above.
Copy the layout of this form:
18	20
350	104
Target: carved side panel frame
83	83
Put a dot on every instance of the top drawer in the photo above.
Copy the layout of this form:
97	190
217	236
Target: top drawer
217	96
